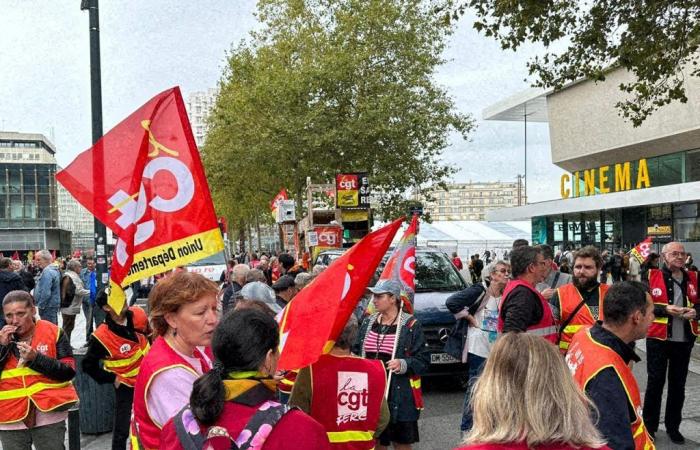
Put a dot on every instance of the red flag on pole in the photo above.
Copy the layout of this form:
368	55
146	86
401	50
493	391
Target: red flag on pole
274	204
314	318
152	192
642	250
401	265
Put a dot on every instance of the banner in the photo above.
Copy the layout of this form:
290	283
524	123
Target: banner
145	181
352	190
274	204
312	321
330	237
401	265
642	250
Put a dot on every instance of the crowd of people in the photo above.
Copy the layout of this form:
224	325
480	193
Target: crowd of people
548	355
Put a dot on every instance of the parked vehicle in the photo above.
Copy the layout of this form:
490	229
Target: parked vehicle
211	267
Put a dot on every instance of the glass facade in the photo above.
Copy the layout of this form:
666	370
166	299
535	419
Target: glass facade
28	196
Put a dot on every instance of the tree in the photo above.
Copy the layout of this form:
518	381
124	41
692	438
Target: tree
657	41
330	86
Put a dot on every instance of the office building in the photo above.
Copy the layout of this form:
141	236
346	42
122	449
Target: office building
470	201
199	105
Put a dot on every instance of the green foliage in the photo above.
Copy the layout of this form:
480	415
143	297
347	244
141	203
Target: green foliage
330	86
656	40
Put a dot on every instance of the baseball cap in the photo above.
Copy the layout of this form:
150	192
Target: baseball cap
387	287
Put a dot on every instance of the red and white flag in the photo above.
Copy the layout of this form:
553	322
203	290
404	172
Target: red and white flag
274	204
314	319
145	181
401	265
642	250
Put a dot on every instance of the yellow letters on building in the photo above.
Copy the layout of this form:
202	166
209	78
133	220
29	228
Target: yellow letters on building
622	177
589	182
565	191
603	180
643	174
577	185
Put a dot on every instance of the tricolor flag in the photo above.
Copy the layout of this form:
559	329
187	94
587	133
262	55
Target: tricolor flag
401	265
314	319
144	180
274	204
642	250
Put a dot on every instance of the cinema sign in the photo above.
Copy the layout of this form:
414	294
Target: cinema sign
605	179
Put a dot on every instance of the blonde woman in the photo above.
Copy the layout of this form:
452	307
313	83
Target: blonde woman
527	399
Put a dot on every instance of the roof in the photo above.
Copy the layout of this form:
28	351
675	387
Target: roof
531	103
469	231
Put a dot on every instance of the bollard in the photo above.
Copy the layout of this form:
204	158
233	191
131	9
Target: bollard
74	428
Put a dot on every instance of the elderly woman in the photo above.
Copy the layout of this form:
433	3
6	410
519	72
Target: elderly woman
477	309
72	306
235	402
396	338
526	399
183	313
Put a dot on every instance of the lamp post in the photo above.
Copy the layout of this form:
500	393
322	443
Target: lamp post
96	103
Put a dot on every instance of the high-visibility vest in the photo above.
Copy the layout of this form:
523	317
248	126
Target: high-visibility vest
587	357
347	399
125	355
569	299
659	327
22	386
545	327
145	432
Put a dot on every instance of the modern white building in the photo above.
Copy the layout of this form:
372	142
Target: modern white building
74	217
623	183
199	105
470	201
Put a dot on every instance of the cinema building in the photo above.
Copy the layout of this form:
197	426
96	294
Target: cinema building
622	183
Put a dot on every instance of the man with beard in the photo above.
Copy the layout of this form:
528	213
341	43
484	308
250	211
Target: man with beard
579	304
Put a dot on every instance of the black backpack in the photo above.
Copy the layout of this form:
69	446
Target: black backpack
67	291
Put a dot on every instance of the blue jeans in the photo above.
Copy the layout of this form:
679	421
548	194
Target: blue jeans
49	313
475	364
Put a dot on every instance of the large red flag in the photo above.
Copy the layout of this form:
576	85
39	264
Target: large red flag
401	265
642	250
314	319
144	180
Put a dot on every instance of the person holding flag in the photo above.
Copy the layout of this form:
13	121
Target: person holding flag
396	338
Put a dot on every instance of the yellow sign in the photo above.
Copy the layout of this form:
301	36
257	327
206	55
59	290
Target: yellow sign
658	230
602	180
348	198
354	215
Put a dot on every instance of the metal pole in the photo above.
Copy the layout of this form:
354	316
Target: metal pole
525	116
96	102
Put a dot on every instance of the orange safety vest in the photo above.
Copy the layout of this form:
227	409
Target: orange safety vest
125	356
347	399
659	327
569	299
587	357
545	327
21	386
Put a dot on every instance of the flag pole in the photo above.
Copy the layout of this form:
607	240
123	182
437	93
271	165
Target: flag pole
393	351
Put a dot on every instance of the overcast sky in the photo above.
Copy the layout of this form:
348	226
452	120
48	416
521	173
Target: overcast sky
149	46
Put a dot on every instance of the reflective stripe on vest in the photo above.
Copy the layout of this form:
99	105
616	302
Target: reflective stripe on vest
18	372
31	390
115	363
569	299
338	437
546	328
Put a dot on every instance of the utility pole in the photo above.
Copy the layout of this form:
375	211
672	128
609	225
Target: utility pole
96	102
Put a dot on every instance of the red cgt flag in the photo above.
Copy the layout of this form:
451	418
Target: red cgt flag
642	250
274	204
144	180
401	265
313	320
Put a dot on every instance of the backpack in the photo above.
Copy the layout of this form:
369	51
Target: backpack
67	290
253	434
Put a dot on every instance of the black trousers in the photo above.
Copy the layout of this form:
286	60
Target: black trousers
663	356
124	398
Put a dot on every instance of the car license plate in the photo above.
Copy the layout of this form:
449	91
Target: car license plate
442	358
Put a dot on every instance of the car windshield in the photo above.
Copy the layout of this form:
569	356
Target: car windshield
212	260
435	272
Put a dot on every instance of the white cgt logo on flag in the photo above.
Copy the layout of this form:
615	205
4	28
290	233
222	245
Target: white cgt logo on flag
353	397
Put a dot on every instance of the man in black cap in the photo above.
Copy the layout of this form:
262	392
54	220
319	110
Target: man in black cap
285	290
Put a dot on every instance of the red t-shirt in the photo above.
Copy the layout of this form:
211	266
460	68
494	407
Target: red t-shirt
457	262
296	426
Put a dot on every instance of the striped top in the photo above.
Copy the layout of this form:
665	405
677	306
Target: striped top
379	343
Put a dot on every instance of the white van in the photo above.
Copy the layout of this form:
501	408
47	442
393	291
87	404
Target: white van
211	267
